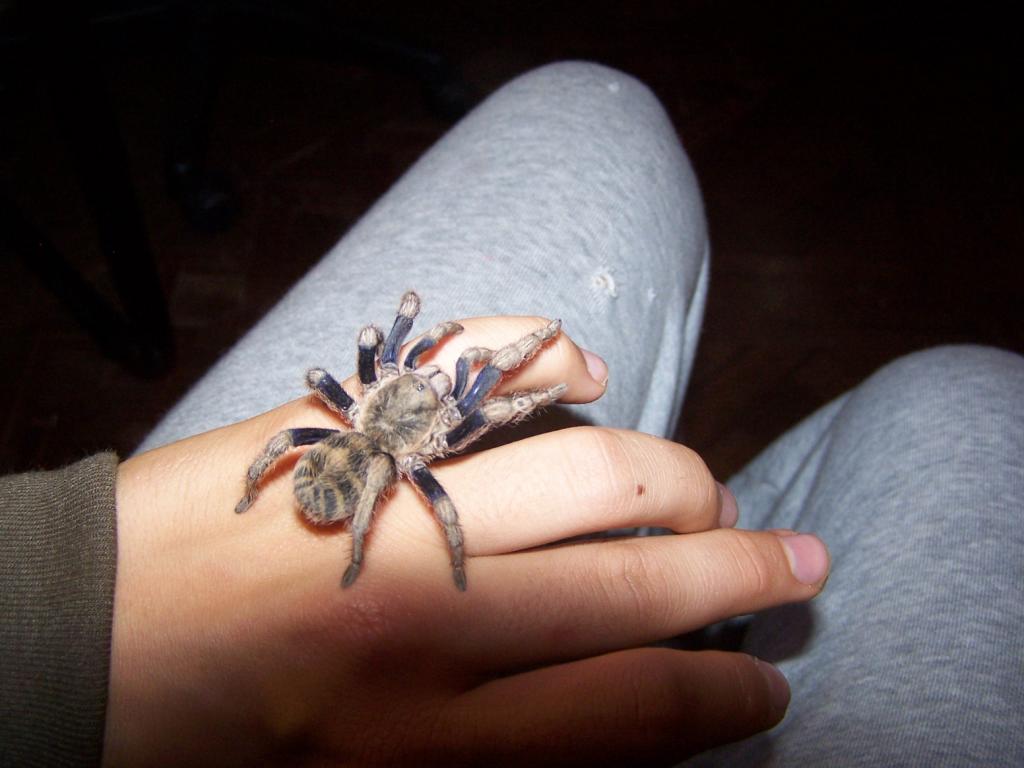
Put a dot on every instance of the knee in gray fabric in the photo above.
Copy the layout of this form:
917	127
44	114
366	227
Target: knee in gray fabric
569	77
953	380
947	400
938	435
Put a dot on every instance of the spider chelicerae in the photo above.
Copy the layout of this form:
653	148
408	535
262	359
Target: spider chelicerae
407	417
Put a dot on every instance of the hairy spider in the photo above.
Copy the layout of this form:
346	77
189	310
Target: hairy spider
404	420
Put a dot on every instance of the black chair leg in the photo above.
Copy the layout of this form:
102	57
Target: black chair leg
116	337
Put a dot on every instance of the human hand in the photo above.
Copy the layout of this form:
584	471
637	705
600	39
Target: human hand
233	643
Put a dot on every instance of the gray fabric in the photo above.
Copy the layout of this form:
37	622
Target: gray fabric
914	654
58	549
567	194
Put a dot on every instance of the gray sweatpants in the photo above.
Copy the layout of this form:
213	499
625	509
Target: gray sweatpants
567	194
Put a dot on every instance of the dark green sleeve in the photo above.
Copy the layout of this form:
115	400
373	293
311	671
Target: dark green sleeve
58	556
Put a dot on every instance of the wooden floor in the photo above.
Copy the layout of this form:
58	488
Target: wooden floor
861	173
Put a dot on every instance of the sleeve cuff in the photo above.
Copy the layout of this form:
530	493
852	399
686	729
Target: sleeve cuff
58	560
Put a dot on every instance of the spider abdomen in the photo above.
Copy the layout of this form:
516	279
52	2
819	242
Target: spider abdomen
331	479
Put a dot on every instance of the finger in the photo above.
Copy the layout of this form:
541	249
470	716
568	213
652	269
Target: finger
606	479
640	707
558	361
584	599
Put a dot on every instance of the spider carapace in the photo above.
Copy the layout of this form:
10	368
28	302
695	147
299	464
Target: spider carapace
406	417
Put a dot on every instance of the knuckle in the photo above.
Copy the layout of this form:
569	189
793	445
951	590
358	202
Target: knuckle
757	571
602	476
560	356
565	356
634	581
368	620
698	477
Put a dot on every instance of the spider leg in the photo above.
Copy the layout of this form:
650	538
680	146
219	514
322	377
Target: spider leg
380	473
330	392
496	411
407	311
445	512
369	342
467	359
279	444
434	335
502	410
505	359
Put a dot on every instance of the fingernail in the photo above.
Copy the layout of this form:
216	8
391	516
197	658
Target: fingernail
596	367
778	686
729	511
808	558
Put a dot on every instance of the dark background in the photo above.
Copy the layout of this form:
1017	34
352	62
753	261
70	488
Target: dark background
859	165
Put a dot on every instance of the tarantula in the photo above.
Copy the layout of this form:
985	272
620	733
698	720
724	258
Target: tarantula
403	421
